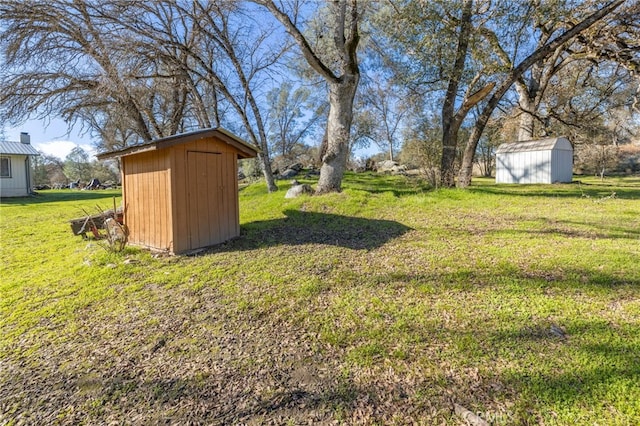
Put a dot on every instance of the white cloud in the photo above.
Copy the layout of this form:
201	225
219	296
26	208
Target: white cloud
61	149
52	136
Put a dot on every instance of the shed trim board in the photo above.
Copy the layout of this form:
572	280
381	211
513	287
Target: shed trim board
181	193
547	160
245	149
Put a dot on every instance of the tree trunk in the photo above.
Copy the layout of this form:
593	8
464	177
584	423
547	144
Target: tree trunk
265	165
449	147
530	94
466	169
526	122
264	156
334	160
450	120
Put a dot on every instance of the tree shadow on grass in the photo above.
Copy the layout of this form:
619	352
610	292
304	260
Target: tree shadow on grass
575	229
603	230
466	279
57	196
596	363
300	227
376	183
575	189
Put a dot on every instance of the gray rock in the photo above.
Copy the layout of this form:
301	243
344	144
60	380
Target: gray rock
399	170
298	190
295	166
288	174
386	166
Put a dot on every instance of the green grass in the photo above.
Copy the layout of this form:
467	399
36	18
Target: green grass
384	304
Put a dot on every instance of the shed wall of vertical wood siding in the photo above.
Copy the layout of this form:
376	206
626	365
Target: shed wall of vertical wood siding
147	199
182	197
205	203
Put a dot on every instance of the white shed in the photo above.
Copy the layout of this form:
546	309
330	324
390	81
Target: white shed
539	161
15	167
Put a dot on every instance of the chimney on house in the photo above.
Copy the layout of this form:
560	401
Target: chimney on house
25	138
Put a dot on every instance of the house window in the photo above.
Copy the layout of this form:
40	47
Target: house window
5	167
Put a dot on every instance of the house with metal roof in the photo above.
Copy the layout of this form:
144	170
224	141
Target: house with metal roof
15	167
547	160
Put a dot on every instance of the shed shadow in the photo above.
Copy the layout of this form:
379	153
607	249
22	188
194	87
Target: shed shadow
300	227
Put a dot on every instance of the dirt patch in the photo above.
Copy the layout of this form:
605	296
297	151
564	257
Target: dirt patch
189	357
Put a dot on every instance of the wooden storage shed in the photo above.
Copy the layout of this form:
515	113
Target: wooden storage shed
180	193
538	161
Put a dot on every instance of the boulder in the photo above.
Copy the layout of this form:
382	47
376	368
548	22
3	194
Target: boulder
288	174
298	190
295	166
399	170
386	166
392	167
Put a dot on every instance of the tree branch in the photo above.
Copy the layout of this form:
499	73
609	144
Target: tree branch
303	43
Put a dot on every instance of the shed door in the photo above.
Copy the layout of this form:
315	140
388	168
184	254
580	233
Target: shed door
212	198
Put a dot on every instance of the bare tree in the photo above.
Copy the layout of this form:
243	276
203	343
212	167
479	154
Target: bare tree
384	113
288	124
248	58
221	50
65	58
154	68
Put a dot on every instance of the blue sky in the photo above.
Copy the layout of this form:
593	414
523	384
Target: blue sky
54	138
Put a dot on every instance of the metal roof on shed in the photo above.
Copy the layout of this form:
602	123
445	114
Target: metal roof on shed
17	148
560	143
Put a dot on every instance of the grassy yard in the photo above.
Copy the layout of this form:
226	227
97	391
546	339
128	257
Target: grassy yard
384	304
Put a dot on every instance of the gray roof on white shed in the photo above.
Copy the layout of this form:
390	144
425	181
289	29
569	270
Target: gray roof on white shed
547	144
17	148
